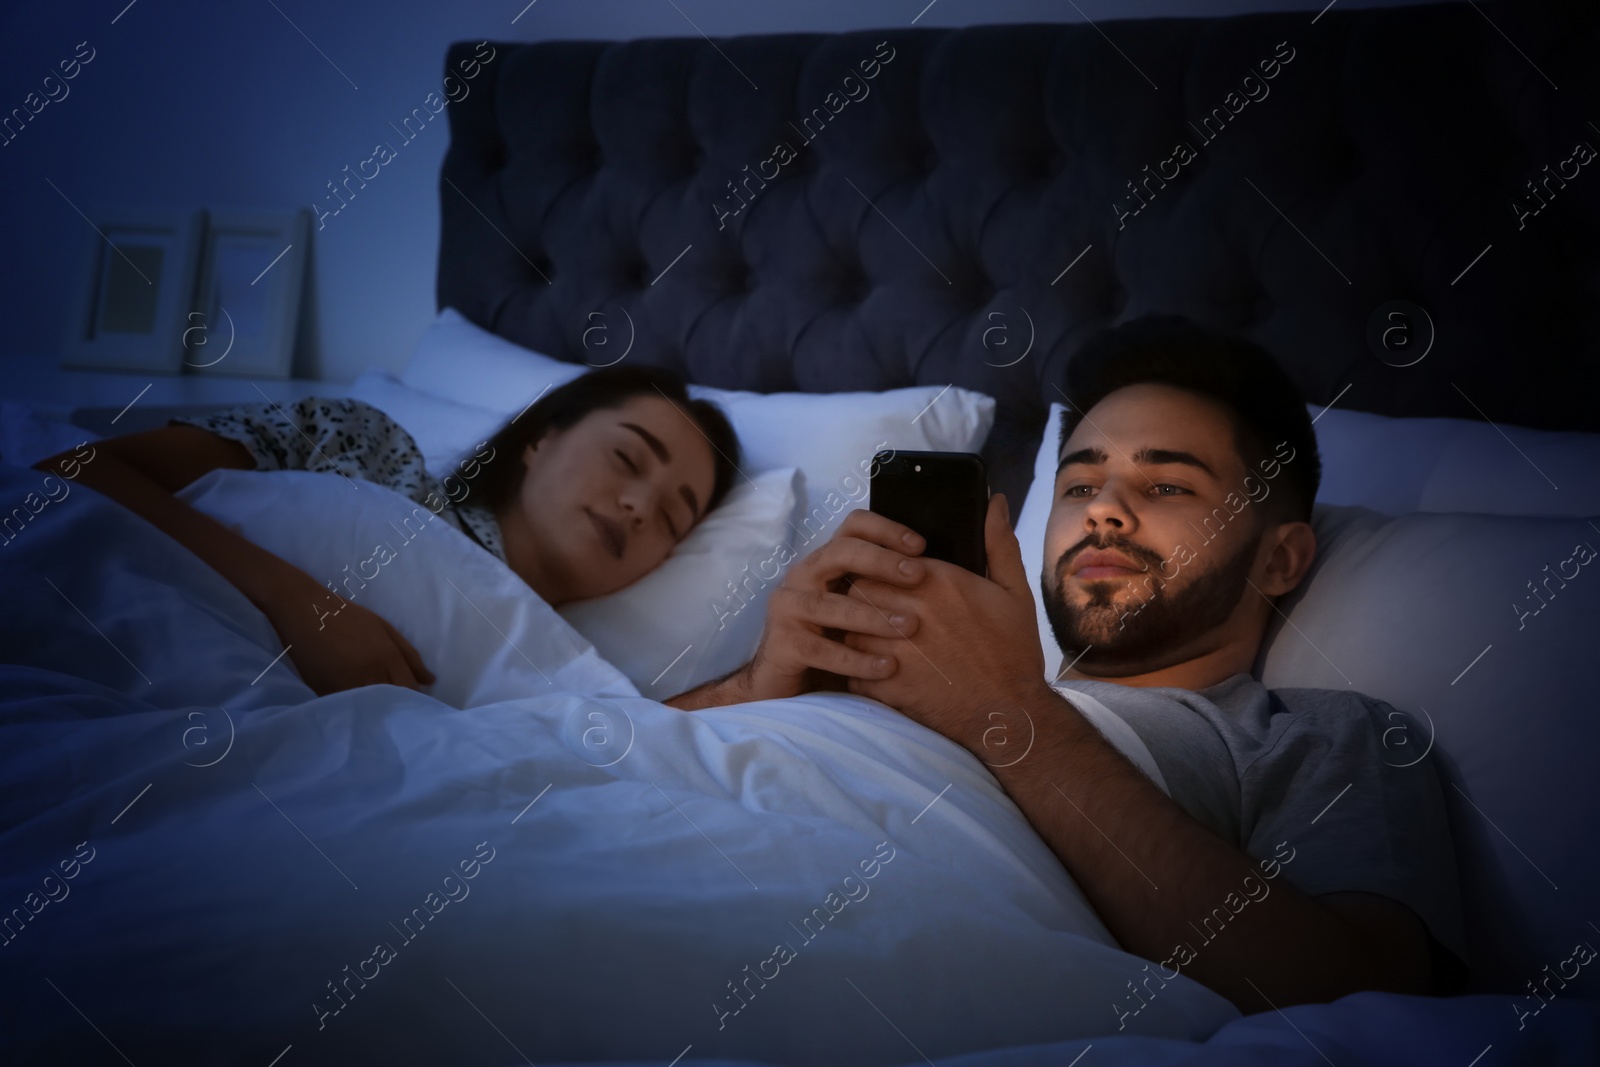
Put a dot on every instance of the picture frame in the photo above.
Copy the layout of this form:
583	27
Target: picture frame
134	291
246	313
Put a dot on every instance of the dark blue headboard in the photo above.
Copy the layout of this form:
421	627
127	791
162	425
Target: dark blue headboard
967	205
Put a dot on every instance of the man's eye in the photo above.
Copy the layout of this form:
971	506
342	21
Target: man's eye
631	465
1159	489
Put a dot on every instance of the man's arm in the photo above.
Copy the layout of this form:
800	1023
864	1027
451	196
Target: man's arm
732	688
1152	872
1155	874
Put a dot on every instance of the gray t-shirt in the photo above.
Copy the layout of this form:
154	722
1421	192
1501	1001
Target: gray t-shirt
1334	773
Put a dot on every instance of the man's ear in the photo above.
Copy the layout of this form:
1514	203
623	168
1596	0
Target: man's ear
1290	550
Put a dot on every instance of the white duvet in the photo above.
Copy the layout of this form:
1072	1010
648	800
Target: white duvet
375	875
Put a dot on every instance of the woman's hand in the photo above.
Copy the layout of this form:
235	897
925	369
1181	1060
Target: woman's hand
336	644
335	647
802	647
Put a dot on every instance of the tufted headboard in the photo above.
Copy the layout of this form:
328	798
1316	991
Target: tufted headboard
1398	203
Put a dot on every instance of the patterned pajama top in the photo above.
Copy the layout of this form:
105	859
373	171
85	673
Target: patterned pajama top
351	437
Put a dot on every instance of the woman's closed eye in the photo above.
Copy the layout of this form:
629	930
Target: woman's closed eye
666	515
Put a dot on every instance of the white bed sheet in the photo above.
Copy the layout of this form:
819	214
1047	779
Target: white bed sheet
251	842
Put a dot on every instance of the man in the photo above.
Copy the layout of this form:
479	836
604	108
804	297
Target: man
1182	501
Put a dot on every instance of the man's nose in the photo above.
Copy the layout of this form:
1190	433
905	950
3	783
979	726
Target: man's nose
1108	508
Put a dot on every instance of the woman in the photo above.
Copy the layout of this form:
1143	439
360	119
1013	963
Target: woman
585	491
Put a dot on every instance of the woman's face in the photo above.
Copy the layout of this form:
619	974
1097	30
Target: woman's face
605	500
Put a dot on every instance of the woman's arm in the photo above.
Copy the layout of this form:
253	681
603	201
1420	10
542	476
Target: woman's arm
142	471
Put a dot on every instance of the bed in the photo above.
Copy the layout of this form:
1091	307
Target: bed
537	861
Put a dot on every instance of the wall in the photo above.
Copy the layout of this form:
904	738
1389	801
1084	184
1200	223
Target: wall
259	103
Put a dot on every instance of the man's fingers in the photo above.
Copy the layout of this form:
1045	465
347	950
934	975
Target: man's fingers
817	652
1005	552
886	601
850	555
870	526
836	611
870	645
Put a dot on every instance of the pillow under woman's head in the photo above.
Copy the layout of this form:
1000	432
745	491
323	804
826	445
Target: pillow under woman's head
462	375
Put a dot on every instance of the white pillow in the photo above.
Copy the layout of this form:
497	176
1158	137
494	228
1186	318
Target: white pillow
484	634
458	360
29	431
443	429
831	437
700	615
1030	532
1455	465
1422	611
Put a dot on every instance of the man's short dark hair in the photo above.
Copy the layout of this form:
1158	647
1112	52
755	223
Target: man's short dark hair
1263	402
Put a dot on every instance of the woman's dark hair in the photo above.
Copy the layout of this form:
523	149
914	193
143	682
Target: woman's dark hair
499	477
1266	407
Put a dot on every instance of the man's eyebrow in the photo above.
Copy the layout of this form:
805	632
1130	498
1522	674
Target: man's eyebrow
1156	456
652	440
1144	456
1082	455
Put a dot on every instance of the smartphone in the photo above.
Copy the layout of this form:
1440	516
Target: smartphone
941	495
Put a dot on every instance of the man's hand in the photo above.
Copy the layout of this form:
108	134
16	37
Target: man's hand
802	647
975	658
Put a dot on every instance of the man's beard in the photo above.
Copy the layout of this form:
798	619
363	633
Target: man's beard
1151	628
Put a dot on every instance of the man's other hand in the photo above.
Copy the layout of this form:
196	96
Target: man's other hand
802	646
976	650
